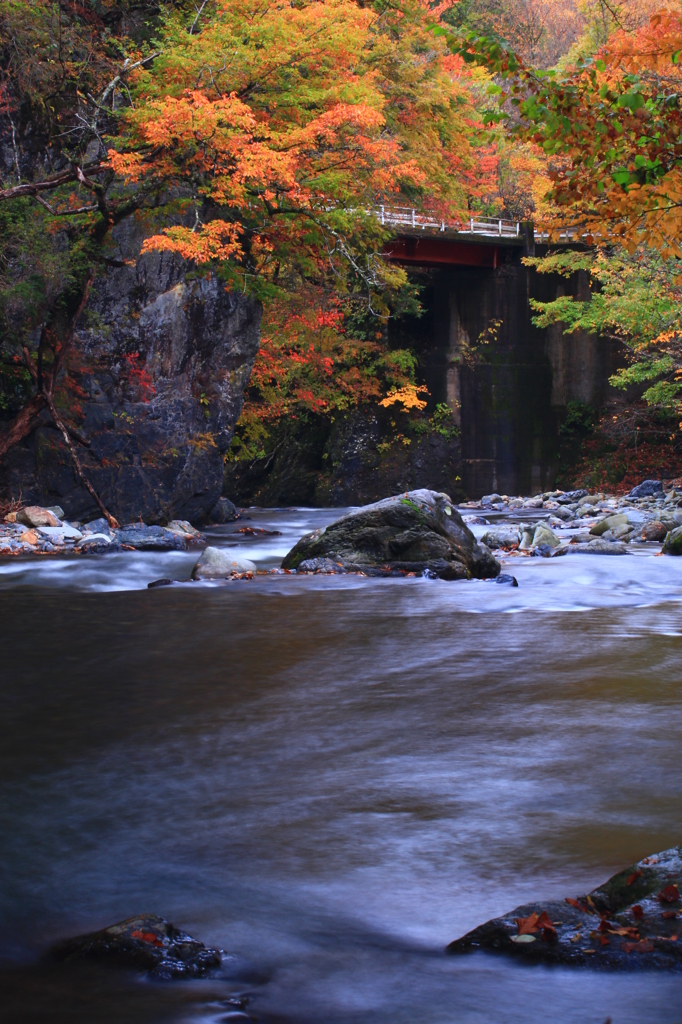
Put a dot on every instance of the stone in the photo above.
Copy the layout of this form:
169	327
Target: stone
62	533
505	580
147	943
94	539
35	515
475	520
56	510
219	564
622	532
610	523
564	514
647	489
533	503
149	538
618	926
544	535
223	512
491	499
320	565
598	547
571	496
503	537
672	544
186	529
655	531
97	526
527	540
410	532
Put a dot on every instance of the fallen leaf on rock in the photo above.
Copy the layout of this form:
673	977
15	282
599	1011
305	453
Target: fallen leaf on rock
637	911
604	941
634	876
669	915
643	946
578	905
670	894
576	938
667	938
528	925
150	937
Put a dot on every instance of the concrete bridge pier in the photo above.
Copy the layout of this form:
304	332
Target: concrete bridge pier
507	381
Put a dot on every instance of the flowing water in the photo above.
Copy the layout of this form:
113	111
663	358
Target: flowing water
330	778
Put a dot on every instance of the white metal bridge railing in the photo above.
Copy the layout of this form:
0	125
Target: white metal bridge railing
403	216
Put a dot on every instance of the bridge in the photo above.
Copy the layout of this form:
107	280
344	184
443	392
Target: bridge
424	240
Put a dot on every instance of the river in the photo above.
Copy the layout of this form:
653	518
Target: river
330	778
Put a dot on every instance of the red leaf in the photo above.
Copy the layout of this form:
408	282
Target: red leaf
669	895
637	911
643	946
150	937
634	876
603	941
578	905
528	925
669	915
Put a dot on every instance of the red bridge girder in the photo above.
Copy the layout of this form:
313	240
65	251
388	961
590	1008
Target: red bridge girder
430	251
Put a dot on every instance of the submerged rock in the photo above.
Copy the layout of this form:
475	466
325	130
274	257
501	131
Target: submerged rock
631	922
598	547
147	943
150	538
218	564
412	532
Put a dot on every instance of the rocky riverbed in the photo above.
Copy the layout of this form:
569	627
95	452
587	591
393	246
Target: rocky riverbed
576	522
403	535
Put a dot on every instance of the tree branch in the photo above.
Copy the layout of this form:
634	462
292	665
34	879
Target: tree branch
75	173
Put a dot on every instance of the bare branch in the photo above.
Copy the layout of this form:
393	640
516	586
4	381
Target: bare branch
198	10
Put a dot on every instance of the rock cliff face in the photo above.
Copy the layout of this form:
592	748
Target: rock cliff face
164	357
353	461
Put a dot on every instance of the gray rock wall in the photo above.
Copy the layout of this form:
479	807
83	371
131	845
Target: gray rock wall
163	358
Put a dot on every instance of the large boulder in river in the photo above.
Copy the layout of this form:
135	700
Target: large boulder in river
147	943
413	532
630	922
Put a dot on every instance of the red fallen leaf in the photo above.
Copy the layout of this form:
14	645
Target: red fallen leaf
670	894
528	925
643	946
605	925
150	937
634	876
669	915
578	905
546	924
603	941
637	911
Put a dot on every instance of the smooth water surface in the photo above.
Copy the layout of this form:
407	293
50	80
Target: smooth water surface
330	778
